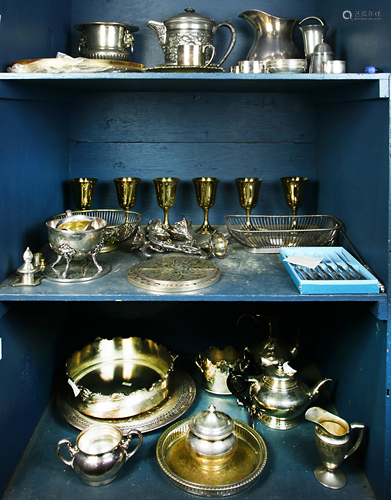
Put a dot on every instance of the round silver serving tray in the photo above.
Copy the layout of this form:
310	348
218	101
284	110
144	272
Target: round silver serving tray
174	68
286	66
119	378
174	273
242	470
181	396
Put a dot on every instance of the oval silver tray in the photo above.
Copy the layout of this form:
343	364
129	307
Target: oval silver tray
180	398
242	470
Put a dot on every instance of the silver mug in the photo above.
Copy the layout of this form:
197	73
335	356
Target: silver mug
99	453
194	55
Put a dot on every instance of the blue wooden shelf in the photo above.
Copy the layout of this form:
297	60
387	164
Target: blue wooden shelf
292	458
353	86
244	277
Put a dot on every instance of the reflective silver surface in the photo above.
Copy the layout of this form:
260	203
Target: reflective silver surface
99	453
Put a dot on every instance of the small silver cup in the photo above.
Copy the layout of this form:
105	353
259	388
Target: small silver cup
251	67
195	55
334	66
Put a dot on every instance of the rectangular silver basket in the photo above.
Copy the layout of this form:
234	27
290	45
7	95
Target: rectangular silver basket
268	233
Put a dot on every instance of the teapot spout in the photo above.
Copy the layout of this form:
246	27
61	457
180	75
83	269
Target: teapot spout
314	391
160	29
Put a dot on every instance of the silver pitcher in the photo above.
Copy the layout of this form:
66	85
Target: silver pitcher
189	28
273	36
332	436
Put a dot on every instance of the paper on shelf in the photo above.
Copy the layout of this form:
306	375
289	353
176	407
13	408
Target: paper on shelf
304	260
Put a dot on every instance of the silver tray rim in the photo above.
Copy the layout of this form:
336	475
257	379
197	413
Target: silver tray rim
211	490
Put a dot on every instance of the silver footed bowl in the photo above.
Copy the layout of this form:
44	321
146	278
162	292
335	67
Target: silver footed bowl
121	225
82	238
119	378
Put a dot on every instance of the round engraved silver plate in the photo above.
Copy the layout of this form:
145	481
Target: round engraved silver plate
181	396
174	274
83	270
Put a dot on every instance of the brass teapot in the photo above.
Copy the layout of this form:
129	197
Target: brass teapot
277	397
189	28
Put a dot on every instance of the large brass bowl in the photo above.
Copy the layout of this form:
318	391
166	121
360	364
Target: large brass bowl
119	378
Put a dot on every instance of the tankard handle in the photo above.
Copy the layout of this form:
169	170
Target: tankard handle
232	42
73	451
210	46
126	442
356	425
312	17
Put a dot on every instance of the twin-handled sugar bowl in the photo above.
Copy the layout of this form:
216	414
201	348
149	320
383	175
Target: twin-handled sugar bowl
99	453
211	439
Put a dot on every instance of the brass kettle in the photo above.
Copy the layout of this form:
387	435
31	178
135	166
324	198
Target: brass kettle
189	28
277	397
268	349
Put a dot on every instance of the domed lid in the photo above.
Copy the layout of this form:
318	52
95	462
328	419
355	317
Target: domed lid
280	373
323	48
211	424
190	19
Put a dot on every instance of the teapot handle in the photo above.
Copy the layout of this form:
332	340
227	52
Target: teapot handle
355	425
242	400
312	17
234	36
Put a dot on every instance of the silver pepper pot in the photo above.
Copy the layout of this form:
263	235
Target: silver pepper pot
211	439
322	53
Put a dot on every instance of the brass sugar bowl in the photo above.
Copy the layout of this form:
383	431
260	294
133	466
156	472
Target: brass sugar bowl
211	439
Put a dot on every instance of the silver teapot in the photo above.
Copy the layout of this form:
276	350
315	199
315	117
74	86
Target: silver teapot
189	28
277	397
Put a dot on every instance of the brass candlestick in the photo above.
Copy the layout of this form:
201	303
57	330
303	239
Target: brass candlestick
127	191
206	188
166	189
83	191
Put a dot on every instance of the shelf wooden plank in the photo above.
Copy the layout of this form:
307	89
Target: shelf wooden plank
359	85
244	277
292	458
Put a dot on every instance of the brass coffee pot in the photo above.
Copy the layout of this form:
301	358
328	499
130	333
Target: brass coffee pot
278	397
189	28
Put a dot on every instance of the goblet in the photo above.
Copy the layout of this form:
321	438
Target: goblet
248	189
206	188
127	191
294	188
166	188
83	191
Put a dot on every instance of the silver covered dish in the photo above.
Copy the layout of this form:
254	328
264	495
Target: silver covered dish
119	378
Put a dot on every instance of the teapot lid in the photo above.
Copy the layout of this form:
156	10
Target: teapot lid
189	20
211	424
281	371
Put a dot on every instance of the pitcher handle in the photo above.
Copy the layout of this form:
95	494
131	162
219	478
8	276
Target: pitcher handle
312	17
73	451
126	442
234	36
355	425
238	327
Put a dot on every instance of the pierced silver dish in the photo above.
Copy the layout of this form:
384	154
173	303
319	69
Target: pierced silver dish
121	225
119	378
268	233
